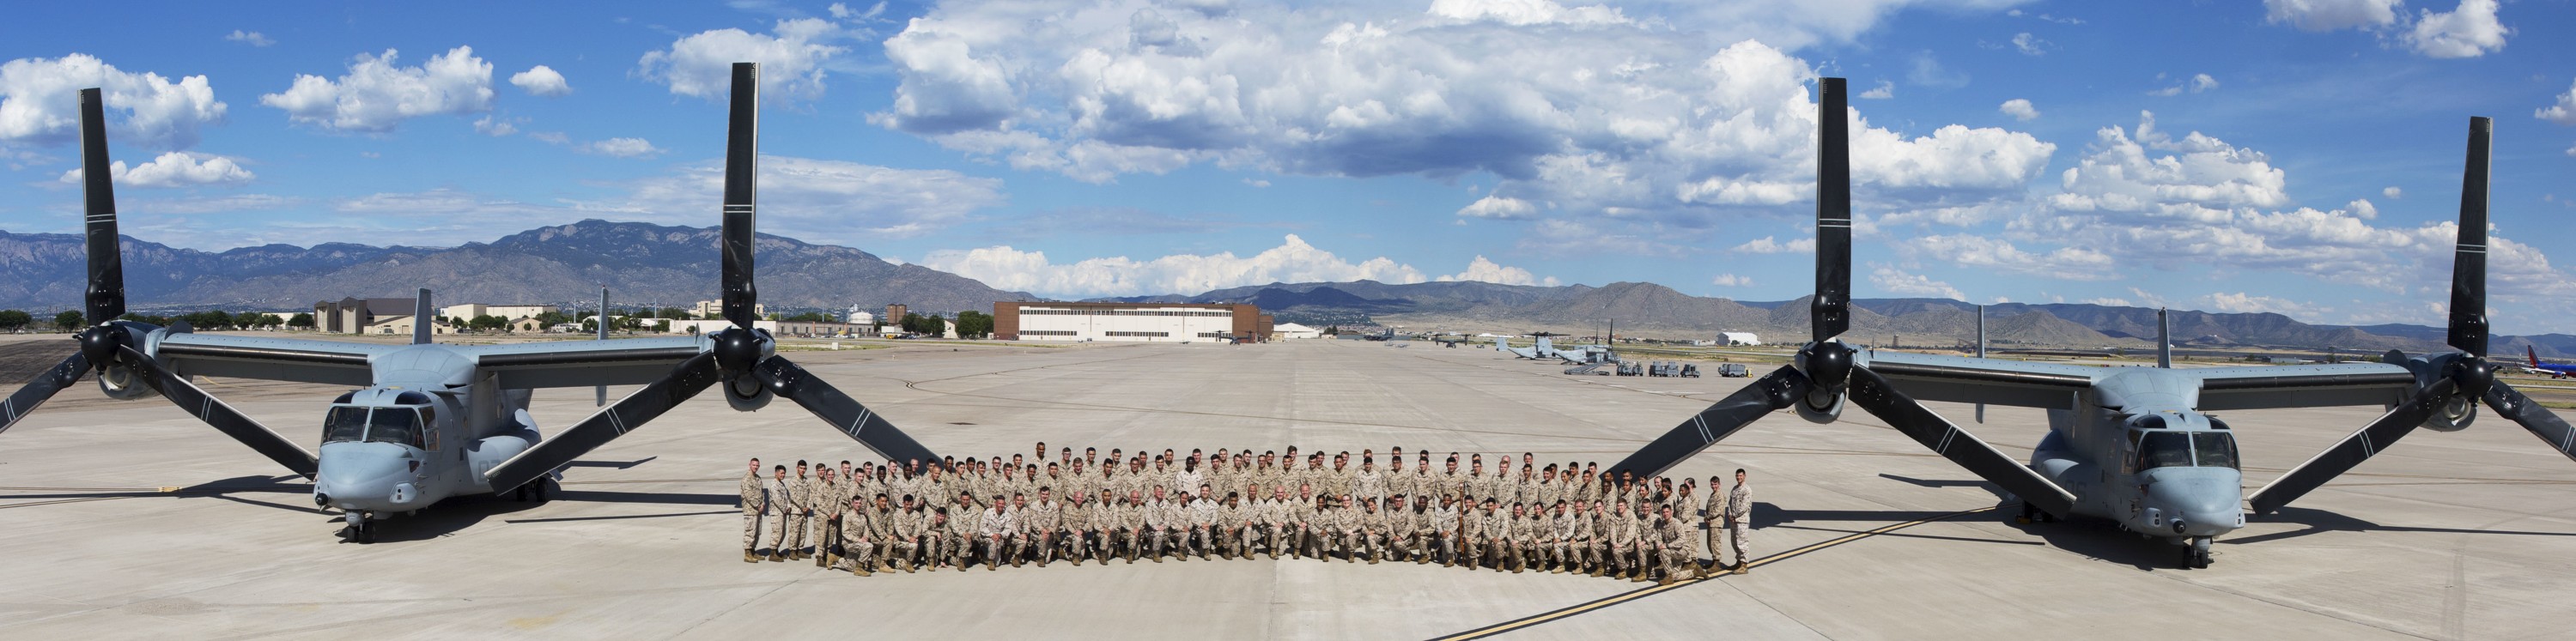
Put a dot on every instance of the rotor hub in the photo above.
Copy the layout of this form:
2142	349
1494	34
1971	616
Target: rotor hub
1827	363
737	349
99	344
2472	376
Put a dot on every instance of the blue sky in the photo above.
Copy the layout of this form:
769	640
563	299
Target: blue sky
2299	156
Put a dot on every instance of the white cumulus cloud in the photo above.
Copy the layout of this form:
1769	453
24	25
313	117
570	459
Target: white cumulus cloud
173	169
40	104
1901	283
1583	109
541	80
2392	192
815	200
791	58
623	148
376	96
2197	83
1731	280
2019	109
2468	31
1498	207
2329	15
1293	261
252	38
1483	270
1885	90
2562	113
1766	245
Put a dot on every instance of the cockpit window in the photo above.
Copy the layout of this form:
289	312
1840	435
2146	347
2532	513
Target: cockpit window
2214	449
399	425
344	424
2164	449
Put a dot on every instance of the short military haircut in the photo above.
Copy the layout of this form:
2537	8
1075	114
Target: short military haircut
778	468
1739	471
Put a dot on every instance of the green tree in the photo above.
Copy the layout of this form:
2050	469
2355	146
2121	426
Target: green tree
911	323
1332	330
487	322
267	320
934	325
551	319
810	317
301	320
11	319
974	324
71	321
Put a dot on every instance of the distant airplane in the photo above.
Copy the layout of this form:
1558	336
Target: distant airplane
2554	370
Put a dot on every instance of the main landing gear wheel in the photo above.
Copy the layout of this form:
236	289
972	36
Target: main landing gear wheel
532	492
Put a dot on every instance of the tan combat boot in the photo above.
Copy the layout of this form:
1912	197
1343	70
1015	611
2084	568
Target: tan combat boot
860	569
750	557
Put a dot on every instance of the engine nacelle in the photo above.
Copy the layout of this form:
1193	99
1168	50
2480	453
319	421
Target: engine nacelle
745	393
121	383
1821	406
2453	416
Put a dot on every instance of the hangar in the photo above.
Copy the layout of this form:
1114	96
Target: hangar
1136	322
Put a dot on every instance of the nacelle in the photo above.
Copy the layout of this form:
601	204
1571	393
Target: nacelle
120	382
2453	416
745	393
1821	406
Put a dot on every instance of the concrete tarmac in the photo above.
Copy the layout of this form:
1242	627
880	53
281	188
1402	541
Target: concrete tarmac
2447	535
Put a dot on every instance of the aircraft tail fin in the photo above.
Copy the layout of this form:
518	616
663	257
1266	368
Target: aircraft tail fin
1546	346
421	319
2533	354
2164	340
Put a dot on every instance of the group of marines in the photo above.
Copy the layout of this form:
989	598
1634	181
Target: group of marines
917	514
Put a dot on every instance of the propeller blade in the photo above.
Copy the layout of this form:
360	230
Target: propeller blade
2469	263
1764	395
1831	310
626	415
828	403
219	415
37	391
2354	449
1881	399
742	169
98	193
2513	406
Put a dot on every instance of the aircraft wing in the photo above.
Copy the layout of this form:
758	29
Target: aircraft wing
588	363
2278	386
1961	379
301	360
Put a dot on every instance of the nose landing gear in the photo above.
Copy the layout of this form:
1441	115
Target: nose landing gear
361	529
2195	554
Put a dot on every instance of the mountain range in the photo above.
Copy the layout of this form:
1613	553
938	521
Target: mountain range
676	266
561	265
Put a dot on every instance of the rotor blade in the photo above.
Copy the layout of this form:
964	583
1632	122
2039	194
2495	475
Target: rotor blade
1874	394
1830	312
98	194
2354	449
2469	263
626	415
1771	392
862	424
2511	405
219	415
34	394
742	170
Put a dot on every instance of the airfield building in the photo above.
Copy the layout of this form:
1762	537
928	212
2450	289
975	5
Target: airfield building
358	315
1136	322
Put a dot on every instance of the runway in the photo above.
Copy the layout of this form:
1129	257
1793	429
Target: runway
134	520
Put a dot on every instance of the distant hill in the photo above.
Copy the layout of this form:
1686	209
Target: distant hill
1648	309
565	264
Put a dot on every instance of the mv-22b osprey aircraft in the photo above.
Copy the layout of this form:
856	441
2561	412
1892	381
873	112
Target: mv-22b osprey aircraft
2135	445
432	421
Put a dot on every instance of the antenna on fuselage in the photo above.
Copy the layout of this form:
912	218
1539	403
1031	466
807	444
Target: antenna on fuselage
2164	340
420	310
601	321
1981	353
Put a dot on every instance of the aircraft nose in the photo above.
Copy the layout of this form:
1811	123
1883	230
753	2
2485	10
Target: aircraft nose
2204	502
361	476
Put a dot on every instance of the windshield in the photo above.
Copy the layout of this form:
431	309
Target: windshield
344	424
2164	449
2214	449
400	425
